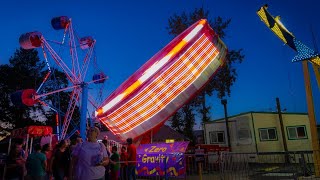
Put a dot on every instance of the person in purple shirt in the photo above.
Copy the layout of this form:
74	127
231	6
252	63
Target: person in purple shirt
90	158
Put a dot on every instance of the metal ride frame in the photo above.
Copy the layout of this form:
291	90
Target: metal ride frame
75	71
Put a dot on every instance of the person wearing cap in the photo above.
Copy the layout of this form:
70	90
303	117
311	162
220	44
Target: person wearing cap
90	158
132	158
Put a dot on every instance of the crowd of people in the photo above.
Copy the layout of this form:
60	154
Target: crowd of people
73	159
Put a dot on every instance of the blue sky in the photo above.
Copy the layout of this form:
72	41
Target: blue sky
129	33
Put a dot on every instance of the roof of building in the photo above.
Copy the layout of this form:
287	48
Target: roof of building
257	112
166	132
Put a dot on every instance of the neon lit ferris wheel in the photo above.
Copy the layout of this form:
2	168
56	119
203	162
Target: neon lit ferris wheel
76	58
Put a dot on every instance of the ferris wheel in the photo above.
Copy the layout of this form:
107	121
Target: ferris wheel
75	57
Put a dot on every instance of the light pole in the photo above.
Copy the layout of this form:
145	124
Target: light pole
224	103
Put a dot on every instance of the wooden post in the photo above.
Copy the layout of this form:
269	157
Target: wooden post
316	70
200	170
312	119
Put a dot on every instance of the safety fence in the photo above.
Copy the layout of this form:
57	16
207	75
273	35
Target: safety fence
240	166
261	166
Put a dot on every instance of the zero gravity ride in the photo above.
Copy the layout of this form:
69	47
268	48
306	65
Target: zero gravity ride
164	83
76	58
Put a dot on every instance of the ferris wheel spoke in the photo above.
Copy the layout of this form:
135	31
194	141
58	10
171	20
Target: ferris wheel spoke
72	104
92	101
65	32
56	91
74	98
44	81
72	123
73	52
72	77
86	61
74	130
48	66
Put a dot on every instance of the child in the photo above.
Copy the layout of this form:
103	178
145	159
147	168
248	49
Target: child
115	165
124	163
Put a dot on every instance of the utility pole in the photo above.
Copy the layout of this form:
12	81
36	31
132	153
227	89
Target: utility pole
224	103
284	141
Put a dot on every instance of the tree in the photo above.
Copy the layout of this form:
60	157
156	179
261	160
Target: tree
26	71
189	120
223	80
23	72
177	122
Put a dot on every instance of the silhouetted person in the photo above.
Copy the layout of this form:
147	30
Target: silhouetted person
36	164
124	163
107	167
15	163
132	158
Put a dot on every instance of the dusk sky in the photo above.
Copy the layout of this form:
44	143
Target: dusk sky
129	33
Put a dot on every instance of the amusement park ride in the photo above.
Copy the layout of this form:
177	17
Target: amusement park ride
146	99
306	55
76	58
163	84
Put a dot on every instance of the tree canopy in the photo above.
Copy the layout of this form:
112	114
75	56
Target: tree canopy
22	72
26	71
221	82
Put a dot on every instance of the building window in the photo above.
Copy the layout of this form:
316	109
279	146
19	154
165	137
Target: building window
243	134
297	132
268	134
217	137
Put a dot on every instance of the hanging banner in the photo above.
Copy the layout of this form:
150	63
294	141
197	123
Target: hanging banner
162	159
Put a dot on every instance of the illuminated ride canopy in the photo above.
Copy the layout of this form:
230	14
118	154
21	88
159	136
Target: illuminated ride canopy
164	83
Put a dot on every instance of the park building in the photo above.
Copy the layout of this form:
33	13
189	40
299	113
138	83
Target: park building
259	132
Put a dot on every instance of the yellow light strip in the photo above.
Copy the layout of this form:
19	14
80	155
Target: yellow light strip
151	107
175	89
172	69
153	111
214	65
139	99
